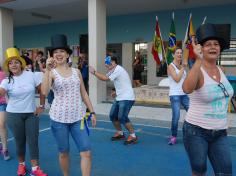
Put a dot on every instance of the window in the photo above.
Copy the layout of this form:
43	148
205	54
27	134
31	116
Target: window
228	57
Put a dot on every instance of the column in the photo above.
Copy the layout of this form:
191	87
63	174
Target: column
97	47
127	58
6	31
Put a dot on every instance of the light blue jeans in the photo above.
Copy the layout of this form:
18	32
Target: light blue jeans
176	101
61	133
120	111
3	107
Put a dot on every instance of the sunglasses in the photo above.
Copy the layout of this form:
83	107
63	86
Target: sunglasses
222	87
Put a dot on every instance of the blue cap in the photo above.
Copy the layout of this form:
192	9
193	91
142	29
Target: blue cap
108	60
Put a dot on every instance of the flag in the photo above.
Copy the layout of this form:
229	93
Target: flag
188	53
157	45
172	41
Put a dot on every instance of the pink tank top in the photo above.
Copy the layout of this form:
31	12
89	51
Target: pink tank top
208	105
67	106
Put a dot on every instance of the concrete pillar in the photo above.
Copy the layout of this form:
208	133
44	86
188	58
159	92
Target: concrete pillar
97	47
127	57
6	31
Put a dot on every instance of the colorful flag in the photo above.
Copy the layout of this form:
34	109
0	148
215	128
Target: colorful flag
172	41
157	46
188	53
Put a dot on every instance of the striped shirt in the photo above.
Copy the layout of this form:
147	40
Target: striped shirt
208	105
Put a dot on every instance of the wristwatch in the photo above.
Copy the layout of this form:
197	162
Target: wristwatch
92	113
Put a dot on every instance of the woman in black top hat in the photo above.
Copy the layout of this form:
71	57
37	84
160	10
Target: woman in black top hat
68	111
205	126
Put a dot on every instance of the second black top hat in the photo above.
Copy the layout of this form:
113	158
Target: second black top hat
210	31
59	41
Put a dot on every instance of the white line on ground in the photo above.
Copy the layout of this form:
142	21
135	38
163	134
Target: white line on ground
111	130
138	124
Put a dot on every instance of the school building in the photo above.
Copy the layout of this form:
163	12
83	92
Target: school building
123	26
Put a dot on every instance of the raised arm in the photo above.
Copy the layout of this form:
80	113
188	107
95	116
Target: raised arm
176	76
99	75
192	81
47	77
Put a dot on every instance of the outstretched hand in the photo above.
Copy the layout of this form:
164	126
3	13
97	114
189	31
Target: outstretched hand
197	49
49	62
91	70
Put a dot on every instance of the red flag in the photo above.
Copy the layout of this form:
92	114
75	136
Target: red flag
157	46
188	48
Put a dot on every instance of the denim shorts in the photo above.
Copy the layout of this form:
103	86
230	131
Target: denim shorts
201	143
120	111
3	107
61	133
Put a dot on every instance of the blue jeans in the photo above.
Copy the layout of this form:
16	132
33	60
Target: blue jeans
176	101
3	107
120	111
61	133
200	143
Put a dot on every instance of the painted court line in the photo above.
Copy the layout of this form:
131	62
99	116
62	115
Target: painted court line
139	130
138	124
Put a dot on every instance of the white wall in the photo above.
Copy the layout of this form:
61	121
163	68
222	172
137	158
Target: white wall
6	31
127	57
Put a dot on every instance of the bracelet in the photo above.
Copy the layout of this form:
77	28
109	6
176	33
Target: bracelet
42	106
92	113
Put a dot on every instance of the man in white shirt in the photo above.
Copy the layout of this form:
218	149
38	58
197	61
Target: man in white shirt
124	98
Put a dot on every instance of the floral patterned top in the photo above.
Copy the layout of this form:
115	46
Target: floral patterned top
67	106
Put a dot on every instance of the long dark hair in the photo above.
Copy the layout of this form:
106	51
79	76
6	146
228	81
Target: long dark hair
10	76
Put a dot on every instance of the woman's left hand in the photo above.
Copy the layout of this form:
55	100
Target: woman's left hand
93	119
38	111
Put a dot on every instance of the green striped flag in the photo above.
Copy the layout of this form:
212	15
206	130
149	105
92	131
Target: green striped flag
172	41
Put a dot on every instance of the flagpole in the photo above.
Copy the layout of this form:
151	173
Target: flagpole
184	48
186	34
162	42
204	20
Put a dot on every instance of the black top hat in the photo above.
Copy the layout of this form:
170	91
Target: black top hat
211	31
59	41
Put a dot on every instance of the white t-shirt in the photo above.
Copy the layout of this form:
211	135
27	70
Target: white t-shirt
21	92
122	83
39	75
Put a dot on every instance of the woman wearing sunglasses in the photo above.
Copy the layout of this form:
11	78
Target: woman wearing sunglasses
205	126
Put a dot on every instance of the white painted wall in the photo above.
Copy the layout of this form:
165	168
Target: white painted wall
127	57
6	31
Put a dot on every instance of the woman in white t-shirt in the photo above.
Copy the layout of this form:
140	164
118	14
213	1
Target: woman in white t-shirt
22	114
